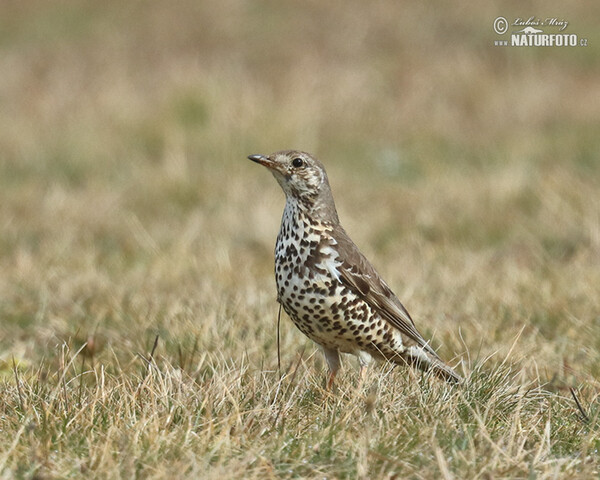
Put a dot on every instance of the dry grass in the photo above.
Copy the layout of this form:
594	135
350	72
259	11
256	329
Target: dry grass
470	174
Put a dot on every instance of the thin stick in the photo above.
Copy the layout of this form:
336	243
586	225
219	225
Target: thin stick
18	384
288	387
584	417
151	356
153	348
148	365
279	341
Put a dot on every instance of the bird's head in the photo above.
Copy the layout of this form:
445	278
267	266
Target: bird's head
303	178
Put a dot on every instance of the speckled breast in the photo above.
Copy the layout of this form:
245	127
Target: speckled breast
311	292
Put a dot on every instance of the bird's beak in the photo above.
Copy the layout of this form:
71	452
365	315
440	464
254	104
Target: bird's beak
263	160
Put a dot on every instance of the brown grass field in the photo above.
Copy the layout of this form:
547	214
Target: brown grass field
468	173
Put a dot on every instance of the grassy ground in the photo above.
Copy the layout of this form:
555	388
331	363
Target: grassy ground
468	173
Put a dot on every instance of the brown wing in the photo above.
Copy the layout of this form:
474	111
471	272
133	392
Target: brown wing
358	274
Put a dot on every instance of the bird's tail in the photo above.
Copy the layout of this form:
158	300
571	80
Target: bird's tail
423	360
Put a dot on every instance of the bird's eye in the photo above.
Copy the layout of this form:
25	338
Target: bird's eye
297	162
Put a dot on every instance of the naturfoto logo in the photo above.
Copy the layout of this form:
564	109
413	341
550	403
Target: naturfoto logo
529	33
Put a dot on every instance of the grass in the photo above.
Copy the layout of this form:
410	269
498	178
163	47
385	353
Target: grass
468	173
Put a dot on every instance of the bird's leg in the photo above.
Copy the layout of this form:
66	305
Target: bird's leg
333	361
364	359
362	373
330	379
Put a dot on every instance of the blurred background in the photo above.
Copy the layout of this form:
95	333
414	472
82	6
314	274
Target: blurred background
468	173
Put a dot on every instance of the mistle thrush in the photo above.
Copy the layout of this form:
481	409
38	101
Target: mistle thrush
326	285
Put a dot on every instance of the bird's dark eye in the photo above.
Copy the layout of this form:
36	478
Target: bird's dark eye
297	162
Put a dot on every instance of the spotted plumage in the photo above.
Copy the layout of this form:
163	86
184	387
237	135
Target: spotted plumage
325	284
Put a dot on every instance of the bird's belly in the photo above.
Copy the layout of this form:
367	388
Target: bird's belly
329	313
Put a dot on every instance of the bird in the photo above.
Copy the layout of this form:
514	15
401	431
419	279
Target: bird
327	286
